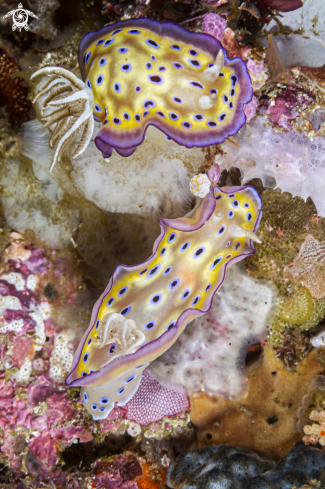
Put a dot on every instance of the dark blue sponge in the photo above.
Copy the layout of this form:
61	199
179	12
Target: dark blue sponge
227	467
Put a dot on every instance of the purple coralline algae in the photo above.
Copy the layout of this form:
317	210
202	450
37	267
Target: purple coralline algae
214	25
284	109
30	398
39	418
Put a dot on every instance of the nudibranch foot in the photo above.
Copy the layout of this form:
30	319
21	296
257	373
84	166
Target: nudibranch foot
67	110
146	307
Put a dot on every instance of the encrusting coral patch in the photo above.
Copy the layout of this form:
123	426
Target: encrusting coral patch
265	419
315	433
308	267
286	223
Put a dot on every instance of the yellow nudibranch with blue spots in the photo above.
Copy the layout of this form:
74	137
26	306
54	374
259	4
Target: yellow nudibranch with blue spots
143	72
144	79
147	306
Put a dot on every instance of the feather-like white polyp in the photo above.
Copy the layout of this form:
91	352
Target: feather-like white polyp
77	106
34	142
74	97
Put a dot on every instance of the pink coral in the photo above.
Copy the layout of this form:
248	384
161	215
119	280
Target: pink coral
214	25
257	72
286	107
232	47
43	416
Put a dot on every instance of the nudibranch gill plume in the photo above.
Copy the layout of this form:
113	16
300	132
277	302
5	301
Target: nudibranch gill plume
140	73
147	306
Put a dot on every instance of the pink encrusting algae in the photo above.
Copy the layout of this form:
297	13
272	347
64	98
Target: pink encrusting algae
32	392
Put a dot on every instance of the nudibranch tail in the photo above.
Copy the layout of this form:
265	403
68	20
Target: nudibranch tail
67	107
147	306
181	82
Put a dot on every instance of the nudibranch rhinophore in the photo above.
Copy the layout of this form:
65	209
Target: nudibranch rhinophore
147	306
140	73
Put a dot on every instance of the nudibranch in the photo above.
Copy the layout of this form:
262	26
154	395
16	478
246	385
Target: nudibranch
147	306
139	73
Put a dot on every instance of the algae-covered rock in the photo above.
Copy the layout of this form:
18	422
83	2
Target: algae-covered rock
265	419
235	468
287	222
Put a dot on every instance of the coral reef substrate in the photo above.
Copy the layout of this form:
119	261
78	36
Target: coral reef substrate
224	466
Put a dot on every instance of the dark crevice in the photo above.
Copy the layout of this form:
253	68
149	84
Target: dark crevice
82	455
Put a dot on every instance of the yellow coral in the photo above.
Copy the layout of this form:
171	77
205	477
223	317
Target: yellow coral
297	308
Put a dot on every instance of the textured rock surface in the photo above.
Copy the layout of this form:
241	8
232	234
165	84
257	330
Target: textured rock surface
308	267
155	180
264	420
230	467
44	309
216	466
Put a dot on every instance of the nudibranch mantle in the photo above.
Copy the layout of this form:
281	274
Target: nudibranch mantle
143	72
145	307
